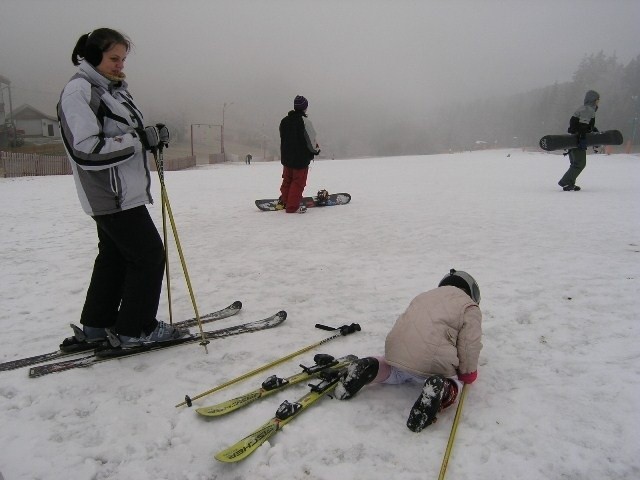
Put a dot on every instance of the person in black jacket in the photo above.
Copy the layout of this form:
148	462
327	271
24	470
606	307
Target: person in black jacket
298	146
582	122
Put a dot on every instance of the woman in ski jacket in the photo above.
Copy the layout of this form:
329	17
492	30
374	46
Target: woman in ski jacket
436	342
107	143
583	121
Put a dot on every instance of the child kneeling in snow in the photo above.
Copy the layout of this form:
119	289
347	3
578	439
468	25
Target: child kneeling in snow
438	338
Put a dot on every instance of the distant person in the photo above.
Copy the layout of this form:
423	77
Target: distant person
298	146
582	122
248	159
107	144
436	342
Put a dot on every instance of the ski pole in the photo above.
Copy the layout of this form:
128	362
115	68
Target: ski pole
342	331
160	168
452	435
165	201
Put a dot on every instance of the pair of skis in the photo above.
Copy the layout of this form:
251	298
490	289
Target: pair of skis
327	369
71	346
99	355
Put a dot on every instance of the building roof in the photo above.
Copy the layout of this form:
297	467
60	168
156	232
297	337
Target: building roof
27	112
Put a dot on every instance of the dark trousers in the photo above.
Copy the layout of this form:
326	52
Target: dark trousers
577	162
293	182
127	274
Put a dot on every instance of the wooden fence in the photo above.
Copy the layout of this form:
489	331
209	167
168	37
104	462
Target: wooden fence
30	164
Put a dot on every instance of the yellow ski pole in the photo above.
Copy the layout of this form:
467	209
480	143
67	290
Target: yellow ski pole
165	201
452	435
160	170
166	255
344	330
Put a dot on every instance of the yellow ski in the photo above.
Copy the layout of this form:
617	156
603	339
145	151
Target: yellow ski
286	412
275	384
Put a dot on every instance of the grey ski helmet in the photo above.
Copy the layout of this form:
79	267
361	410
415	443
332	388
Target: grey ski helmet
464	281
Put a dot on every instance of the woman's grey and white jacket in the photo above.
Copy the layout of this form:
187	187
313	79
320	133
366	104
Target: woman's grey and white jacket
98	120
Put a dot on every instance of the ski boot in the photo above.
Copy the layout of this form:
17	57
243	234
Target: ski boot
359	373
437	394
162	333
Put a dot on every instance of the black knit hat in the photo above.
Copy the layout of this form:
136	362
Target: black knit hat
300	103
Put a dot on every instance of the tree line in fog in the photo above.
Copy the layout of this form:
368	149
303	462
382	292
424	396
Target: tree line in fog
520	120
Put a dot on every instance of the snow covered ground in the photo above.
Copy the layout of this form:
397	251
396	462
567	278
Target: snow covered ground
558	386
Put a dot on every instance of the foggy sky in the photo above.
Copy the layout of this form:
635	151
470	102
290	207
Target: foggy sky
352	59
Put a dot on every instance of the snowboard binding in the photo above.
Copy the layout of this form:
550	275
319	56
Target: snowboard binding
322	198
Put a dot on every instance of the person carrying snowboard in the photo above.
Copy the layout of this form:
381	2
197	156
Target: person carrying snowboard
435	342
298	146
582	122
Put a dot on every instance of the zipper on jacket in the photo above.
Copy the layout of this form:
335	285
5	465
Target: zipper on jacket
113	174
137	116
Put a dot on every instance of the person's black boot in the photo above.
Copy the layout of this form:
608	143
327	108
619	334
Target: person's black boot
424	411
359	373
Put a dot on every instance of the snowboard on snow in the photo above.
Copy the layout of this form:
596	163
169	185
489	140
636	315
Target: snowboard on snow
269	204
567	141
